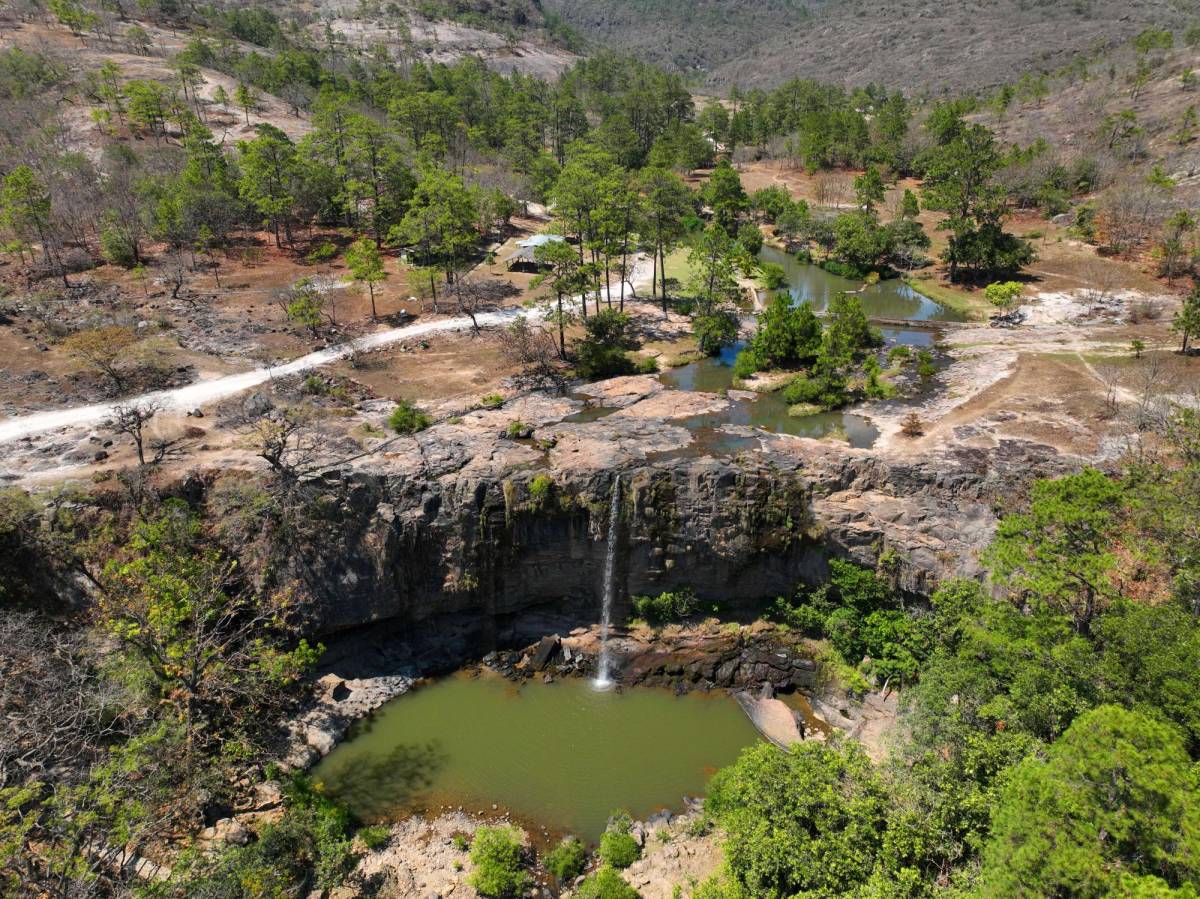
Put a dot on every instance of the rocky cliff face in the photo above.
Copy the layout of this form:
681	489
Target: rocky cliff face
465	522
412	549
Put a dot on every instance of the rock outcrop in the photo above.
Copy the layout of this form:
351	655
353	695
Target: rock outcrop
407	550
462	521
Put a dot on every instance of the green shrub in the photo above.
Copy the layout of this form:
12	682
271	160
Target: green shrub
665	607
322	253
497	855
618	848
771	201
566	860
897	642
408	419
862	588
899	353
746	364
774	275
750	238
821	391
539	489
1003	293
788	336
314	385
807	619
873	387
715	330
492	401
118	249
374	836
461	842
843	269
515	429
925	366
843	627
606	884
647	366
601	354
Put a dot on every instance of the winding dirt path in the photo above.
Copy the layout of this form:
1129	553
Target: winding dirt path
203	392
193	396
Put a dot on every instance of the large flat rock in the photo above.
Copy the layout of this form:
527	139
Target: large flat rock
772	717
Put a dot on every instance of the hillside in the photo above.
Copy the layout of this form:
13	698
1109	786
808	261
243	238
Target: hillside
931	48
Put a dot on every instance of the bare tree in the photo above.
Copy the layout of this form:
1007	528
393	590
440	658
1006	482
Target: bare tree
1152	382
1102	279
1130	215
131	418
1110	376
53	705
288	443
176	273
830	189
533	349
475	293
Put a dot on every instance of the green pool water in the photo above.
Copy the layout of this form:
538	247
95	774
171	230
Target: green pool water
891	298
559	755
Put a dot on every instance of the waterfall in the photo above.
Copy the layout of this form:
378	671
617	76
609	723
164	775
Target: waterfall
603	681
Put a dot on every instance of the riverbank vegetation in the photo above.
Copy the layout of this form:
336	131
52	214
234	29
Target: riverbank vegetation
831	350
1050	731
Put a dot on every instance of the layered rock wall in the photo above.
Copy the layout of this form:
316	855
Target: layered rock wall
410	550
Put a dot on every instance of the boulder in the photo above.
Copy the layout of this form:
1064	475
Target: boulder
228	831
546	649
772	717
256	405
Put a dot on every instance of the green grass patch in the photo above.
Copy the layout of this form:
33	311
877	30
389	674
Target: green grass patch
972	305
677	265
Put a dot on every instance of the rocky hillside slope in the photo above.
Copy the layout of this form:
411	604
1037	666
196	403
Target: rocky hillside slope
927	47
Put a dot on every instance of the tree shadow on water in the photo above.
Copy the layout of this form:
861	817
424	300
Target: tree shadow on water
373	788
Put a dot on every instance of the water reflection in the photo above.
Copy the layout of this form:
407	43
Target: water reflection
767	411
885	299
376	785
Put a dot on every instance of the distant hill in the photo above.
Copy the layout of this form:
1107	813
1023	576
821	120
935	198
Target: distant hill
929	47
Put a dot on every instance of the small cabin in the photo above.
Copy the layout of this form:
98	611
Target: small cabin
524	258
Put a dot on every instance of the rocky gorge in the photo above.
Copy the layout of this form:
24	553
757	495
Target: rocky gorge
463	545
463	522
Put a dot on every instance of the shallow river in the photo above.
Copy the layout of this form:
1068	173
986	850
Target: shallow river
560	755
892	299
884	299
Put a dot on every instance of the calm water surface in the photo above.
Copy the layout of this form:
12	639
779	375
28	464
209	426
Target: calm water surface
884	299
560	755
767	411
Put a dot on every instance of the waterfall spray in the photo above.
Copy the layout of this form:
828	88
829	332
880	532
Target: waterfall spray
603	680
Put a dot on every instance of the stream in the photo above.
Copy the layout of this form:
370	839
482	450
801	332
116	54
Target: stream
891	299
